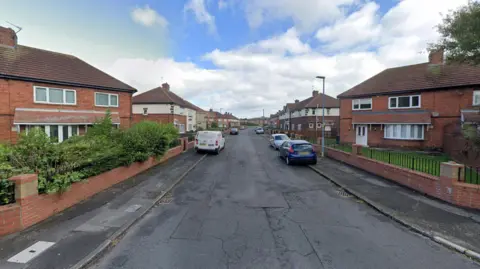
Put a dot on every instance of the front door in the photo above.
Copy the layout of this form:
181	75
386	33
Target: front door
362	135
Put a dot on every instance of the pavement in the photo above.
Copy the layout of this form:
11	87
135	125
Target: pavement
428	216
245	208
78	232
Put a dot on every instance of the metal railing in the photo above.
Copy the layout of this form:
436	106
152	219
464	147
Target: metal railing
472	175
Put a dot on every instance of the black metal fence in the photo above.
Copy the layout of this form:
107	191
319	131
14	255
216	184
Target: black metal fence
472	175
427	164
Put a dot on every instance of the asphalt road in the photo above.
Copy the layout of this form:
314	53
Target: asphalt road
246	209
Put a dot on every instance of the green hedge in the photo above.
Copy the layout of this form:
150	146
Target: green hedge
103	148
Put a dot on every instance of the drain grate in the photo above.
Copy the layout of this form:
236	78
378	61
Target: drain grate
344	193
167	199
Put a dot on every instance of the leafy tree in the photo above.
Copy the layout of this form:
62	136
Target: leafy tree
214	125
102	126
460	35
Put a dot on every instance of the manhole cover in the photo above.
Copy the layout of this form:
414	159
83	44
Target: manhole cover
343	193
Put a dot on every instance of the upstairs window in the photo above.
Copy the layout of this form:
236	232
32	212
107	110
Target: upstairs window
476	98
106	99
412	101
45	95
362	104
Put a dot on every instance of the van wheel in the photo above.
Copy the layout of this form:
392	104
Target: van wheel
217	151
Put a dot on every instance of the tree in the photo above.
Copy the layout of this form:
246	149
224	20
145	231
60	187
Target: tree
460	35
214	125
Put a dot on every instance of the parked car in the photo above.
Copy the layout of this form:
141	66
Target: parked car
276	140
234	131
242	127
259	130
211	141
297	151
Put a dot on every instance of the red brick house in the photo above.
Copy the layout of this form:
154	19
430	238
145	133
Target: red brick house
306	116
164	106
57	92
410	106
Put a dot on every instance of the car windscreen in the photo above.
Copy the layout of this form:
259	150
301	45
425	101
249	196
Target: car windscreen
207	135
234	129
302	147
281	137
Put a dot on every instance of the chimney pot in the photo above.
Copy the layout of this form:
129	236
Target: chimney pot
436	57
8	37
296	101
314	93
166	86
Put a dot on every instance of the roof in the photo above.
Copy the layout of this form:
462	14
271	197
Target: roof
313	101
417	77
392	117
37	116
37	65
162	95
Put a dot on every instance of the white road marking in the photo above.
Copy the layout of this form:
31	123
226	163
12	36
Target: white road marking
31	252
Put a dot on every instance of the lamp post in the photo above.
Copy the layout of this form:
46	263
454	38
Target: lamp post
323	115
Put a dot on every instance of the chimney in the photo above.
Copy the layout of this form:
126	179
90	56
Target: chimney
436	57
8	37
211	110
314	93
296	101
166	86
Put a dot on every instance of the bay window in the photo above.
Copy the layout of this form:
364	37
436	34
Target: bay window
404	131
58	133
362	104
46	95
106	99
412	101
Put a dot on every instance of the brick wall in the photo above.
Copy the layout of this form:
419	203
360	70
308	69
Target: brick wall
19	94
447	187
31	207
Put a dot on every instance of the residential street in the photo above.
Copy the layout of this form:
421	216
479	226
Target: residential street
246	209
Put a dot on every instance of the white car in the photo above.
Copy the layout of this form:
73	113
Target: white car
212	141
259	130
276	140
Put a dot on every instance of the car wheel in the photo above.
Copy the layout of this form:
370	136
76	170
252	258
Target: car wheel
217	151
287	160
314	161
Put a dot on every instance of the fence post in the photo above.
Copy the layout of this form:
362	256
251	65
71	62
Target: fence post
450	172
356	149
25	186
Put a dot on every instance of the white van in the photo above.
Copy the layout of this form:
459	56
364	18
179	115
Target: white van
213	141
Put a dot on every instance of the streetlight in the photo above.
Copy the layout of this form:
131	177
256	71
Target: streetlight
323	115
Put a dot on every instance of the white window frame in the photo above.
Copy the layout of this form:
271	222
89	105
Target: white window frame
109	100
359	103
60	130
410	97
475	94
299	127
310	125
48	96
398	128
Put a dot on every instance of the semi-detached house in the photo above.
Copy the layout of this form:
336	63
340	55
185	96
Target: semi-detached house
164	106
306	115
59	93
410	106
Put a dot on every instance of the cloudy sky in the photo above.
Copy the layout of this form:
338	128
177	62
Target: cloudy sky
239	55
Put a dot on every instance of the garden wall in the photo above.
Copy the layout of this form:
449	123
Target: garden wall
448	187
31	207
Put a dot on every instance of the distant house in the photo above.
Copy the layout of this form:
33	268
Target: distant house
56	92
306	115
164	106
410	106
225	120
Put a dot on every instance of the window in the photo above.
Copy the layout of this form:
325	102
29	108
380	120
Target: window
58	133
54	96
404	131
310	125
319	125
299	126
412	101
476	98
106	99
313	111
145	111
362	104
306	111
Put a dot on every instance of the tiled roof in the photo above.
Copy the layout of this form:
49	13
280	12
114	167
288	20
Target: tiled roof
412	116
313	101
162	95
424	76
26	63
26	116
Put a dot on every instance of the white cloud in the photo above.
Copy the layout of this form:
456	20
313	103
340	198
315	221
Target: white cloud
306	14
202	16
222	4
268	73
358	28
148	17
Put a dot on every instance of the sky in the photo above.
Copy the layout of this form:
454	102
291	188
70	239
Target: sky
247	57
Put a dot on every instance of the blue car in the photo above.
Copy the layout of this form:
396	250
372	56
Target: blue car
297	151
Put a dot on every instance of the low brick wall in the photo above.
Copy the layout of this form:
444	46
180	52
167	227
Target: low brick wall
191	145
31	207
447	187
